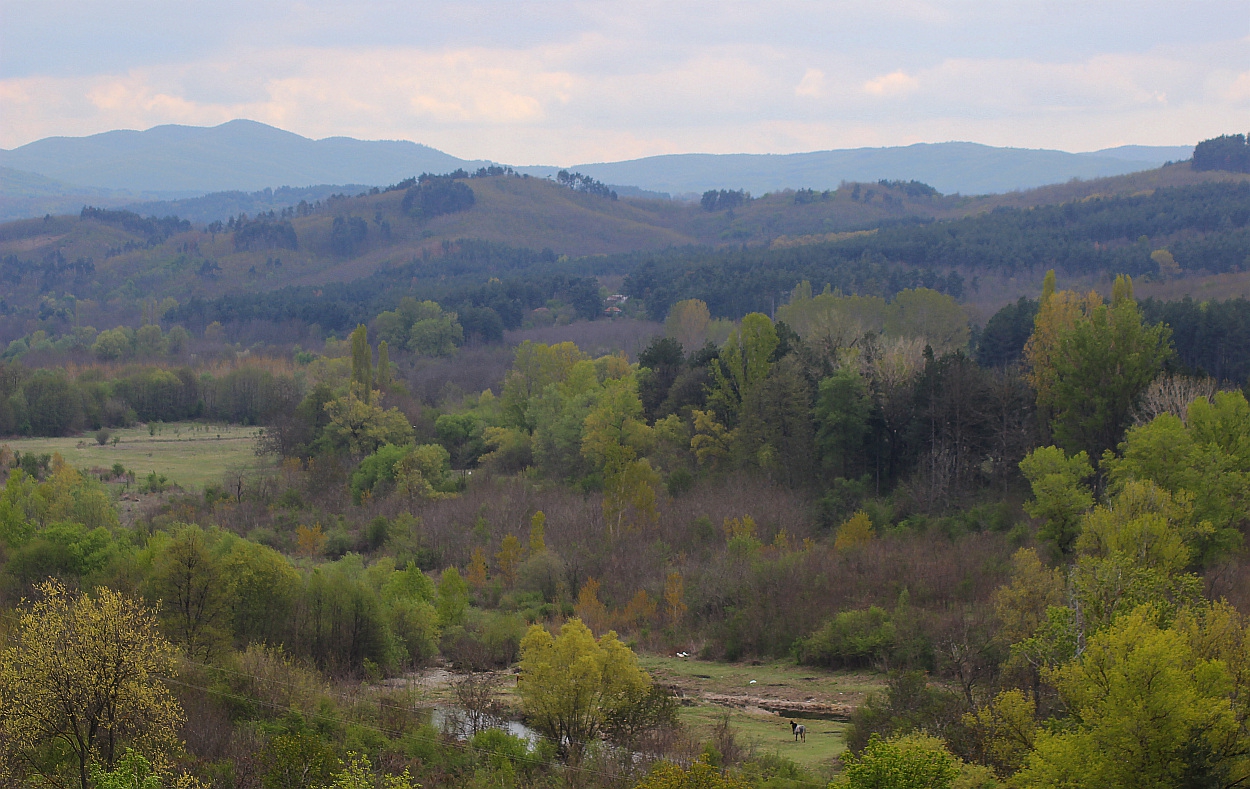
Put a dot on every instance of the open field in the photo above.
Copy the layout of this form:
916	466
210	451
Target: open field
761	713
190	454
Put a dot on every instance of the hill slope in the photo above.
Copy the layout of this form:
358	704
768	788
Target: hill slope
119	258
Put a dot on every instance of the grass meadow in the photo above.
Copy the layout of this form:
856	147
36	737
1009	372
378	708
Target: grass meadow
189	454
711	691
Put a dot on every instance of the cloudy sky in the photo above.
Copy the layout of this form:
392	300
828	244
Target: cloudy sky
562	81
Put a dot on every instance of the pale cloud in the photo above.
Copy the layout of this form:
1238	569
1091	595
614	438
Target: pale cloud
812	84
893	84
1239	90
570	81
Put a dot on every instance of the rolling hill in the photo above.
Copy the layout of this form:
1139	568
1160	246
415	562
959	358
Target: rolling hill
116	258
172	162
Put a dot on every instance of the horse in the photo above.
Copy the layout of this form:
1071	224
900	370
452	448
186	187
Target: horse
799	730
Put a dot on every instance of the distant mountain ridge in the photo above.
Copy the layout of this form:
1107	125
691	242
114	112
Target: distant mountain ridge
178	162
950	167
238	155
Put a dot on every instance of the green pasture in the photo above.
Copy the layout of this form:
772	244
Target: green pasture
190	454
766	732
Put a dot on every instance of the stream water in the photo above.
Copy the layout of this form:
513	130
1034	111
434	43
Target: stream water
449	718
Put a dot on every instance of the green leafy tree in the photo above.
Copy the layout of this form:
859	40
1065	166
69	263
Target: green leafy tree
743	364
534	367
842	413
1101	367
298	759
438	336
113	344
453	598
571	683
189	582
1060	495
1207	456
359	427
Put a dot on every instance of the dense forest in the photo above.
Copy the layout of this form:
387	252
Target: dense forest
1018	533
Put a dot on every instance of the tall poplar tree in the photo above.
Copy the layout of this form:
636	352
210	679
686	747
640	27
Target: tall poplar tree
362	363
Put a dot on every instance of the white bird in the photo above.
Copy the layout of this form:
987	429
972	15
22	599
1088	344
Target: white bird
752	682
683	654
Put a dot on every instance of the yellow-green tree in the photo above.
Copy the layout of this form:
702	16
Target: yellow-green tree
674	597
934	316
1060	494
1147	713
359	426
855	533
84	677
614	434
535	366
571	683
508	558
687	323
538	531
1058	312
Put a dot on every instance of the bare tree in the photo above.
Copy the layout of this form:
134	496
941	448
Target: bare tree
477	695
1173	394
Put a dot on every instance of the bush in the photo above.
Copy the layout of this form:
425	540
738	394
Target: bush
541	574
907	705
852	639
103	435
915	761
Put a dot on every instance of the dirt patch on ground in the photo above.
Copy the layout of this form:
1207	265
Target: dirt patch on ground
781	706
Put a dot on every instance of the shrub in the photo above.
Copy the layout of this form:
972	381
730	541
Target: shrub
852	639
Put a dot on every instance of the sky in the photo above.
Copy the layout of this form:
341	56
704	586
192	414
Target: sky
563	81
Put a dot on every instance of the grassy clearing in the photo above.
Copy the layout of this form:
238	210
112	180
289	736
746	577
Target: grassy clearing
768	732
713	690
187	453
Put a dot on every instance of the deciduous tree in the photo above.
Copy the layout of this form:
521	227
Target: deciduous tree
85	673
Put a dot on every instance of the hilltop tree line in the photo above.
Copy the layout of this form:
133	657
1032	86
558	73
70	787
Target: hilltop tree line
1229	152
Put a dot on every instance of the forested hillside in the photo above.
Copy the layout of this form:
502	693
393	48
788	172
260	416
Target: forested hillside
98	267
